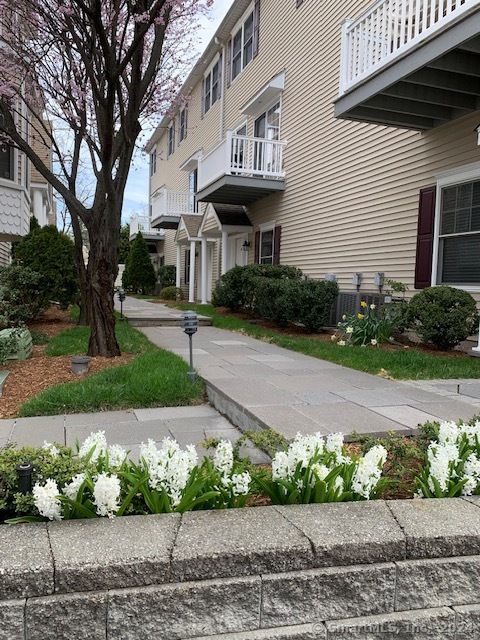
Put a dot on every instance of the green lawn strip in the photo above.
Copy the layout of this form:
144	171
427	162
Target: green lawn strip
405	364
154	378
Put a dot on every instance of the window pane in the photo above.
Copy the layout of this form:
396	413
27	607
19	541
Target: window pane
207	95
475	220
476	195
464	195
462	221
448	222
266	247
248	28
6	154
449	198
461	260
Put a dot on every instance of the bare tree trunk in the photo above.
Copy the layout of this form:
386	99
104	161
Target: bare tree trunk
81	269
101	274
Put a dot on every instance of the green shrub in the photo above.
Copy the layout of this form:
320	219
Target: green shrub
276	300
315	300
444	316
139	274
22	295
166	275
235	288
171	293
51	253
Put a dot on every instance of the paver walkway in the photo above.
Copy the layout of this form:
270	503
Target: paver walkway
257	384
188	425
143	313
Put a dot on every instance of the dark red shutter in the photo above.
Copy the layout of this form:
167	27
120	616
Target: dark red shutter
257	247
256	26
277	239
426	226
229	63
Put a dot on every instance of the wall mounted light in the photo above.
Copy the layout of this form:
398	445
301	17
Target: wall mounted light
246	245
330	277
379	280
477	131
357	280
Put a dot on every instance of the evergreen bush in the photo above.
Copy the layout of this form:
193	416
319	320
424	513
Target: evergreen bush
50	253
166	276
171	293
22	295
139	275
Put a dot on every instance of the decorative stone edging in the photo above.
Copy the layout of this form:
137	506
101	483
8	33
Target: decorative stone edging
410	568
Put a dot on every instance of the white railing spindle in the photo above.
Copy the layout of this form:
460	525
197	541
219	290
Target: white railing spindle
388	29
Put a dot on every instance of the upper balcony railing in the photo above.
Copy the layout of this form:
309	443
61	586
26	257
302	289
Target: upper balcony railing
389	29
242	156
143	224
166	202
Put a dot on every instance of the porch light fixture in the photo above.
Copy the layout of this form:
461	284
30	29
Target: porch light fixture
357	280
190	327
246	246
330	277
379	280
477	131
24	477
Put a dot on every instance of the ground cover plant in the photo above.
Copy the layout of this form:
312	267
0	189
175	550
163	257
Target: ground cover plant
397	362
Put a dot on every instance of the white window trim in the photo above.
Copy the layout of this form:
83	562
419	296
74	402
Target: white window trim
207	73
263	228
235	30
183	110
467	173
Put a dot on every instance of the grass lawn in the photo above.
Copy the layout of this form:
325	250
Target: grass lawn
154	378
404	364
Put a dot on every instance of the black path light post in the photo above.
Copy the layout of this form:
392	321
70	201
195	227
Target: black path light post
121	297
190	327
24	476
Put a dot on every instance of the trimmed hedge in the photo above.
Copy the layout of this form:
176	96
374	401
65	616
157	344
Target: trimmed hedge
277	293
444	316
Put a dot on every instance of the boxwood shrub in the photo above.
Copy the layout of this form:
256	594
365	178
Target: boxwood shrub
277	293
444	316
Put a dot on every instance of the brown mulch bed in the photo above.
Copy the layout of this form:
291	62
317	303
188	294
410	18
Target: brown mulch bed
30	377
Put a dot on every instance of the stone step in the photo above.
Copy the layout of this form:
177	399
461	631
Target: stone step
164	321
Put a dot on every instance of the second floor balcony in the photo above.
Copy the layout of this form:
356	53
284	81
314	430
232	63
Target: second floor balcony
14	211
169	205
143	224
411	63
241	170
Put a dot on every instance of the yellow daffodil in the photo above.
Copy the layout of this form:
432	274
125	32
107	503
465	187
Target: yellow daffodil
363	304
360	316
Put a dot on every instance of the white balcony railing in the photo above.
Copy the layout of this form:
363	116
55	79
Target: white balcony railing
166	202
242	156
391	28
143	224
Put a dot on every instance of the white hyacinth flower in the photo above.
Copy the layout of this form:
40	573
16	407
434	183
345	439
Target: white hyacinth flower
223	460
116	455
241	483
369	470
169	467
471	473
52	449
96	441
47	500
442	457
106	494
71	489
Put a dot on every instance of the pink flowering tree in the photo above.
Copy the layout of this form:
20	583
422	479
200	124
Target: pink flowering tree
83	77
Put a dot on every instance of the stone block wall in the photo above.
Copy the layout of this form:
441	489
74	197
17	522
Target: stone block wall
386	570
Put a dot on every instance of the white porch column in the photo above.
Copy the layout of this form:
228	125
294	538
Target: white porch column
224	252
204	275
179	267
191	287
38	207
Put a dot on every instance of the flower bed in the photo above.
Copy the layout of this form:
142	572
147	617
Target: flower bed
98	480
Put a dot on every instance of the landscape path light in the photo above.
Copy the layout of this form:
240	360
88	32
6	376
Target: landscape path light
121	297
24	476
190	327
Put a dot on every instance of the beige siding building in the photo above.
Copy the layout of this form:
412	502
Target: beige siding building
313	132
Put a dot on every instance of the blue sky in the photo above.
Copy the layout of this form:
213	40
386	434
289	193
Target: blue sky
136	195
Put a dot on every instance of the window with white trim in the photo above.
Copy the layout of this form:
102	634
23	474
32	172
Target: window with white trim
266	246
242	45
153	162
6	161
459	234
183	123
212	89
171	138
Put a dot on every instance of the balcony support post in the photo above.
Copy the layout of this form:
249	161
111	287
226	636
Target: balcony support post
179	266
191	284
204	274
224	252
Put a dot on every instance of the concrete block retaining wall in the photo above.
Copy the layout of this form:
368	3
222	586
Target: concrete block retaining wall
402	569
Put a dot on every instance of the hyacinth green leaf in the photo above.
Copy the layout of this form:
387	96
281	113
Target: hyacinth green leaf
25	519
